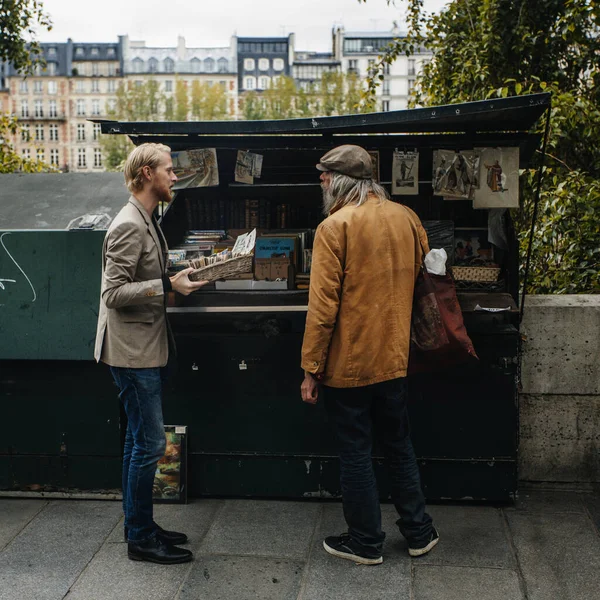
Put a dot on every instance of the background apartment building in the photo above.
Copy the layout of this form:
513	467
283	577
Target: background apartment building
167	66
358	53
78	82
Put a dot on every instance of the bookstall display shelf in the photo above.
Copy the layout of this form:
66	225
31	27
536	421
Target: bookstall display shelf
238	387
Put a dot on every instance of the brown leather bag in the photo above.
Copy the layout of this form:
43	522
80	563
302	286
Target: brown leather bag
438	337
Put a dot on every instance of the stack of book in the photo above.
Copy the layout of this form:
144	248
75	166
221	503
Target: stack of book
302	281
205	212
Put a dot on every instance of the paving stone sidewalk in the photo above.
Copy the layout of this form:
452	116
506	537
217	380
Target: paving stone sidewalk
545	547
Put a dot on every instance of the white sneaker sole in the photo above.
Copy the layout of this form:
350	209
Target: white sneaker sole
359	560
421	551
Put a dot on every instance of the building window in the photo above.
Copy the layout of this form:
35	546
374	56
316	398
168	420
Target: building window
51	68
52	87
52	109
81	159
97	129
39	133
411	66
39	108
26	153
111	53
249	83
385	106
168	86
153	65
23	86
81	132
38	87
138	65
195	65
411	85
52	51
169	65
263	83
54	157
371	67
95	69
53	133
97	157
209	65
278	64
80	86
353	66
94	51
249	64
223	65
96	86
263	64
111	70
79	51
111	85
24	109
25	134
386	87
41	154
81	108
95	107
386	69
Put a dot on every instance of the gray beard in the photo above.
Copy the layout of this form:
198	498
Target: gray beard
328	201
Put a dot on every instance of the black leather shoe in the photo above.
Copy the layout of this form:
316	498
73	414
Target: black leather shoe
156	551
169	537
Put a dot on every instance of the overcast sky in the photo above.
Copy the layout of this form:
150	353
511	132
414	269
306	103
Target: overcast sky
213	22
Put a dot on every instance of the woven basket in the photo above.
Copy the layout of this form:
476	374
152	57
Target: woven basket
222	270
476	273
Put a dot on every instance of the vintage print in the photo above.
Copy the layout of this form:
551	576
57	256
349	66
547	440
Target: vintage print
472	248
499	187
195	168
405	173
248	166
455	174
170	480
375	162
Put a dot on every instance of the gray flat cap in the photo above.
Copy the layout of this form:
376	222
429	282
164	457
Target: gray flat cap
349	160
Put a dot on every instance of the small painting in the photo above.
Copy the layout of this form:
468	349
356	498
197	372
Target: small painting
499	186
472	248
405	173
170	480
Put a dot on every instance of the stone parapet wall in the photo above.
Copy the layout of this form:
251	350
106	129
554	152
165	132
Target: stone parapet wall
560	398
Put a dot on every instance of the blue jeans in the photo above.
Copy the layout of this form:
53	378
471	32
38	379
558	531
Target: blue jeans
352	413
140	391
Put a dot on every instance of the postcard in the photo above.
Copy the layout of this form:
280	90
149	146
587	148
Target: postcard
455	173
499	187
195	168
170	480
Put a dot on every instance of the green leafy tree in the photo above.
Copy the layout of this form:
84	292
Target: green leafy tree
182	100
143	102
253	107
10	161
512	47
19	23
208	102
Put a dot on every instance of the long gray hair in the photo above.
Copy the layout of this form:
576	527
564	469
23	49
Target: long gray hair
344	190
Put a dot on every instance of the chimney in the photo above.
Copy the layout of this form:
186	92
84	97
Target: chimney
180	47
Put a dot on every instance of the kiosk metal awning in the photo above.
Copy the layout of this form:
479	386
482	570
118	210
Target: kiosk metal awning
514	114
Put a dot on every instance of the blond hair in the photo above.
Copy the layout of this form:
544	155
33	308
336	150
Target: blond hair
144	155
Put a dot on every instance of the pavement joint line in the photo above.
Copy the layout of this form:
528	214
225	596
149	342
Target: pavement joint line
265	556
416	563
85	568
220	508
14	537
592	521
515	553
304	579
411	586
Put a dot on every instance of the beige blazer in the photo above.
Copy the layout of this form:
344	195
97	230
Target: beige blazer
132	322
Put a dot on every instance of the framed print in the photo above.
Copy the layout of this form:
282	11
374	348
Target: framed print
499	186
405	173
170	480
471	247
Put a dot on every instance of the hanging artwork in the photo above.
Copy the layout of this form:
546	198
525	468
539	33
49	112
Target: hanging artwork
405	173
455	173
374	154
170	479
248	165
195	168
499	186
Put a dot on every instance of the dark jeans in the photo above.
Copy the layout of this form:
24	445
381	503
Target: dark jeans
140	391
353	412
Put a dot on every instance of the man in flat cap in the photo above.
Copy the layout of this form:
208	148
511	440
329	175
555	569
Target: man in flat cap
366	257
